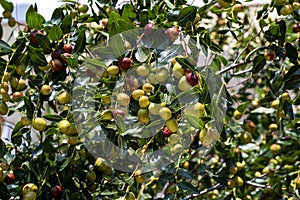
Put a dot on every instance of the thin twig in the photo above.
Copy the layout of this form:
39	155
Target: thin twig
218	186
259	185
233	66
162	193
244	71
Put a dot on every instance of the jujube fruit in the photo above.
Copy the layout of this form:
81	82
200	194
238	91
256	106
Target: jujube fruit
172	33
64	126
46	90
113	70
3	108
144	101
172	125
17	96
56	65
143	115
64	98
68	48
269	55
9	178
125	64
56	191
149	28
192	79
165	113
167	132
136	94
83	8
39	124
123	99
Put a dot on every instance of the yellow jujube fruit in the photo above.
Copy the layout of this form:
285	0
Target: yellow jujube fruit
136	94
144	101
172	125
165	113
143	115
64	126
39	124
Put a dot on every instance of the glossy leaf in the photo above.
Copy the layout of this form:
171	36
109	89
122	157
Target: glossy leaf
33	19
116	45
55	33
44	43
258	64
66	24
186	14
51	117
189	187
6	5
81	42
5	49
37	56
291	52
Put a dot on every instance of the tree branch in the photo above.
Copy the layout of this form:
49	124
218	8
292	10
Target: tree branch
233	66
162	193
218	186
259	185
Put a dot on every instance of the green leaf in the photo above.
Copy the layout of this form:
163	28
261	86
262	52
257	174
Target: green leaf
72	62
66	24
186	14
81	41
242	107
4	192
49	151
292	83
37	56
1	31
169	4
143	17
281	36
120	123
185	63
5	49
2	148
55	33
33	19
9	6
189	187
140	55
55	118
57	16
194	120
44	43
258	63
95	62
66	163
29	107
291	52
117	45
128	12
117	24
186	173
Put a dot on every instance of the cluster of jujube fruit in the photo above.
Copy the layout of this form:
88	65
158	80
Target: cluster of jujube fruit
141	83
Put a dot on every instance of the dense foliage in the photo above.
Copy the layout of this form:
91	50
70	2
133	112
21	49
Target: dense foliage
254	154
